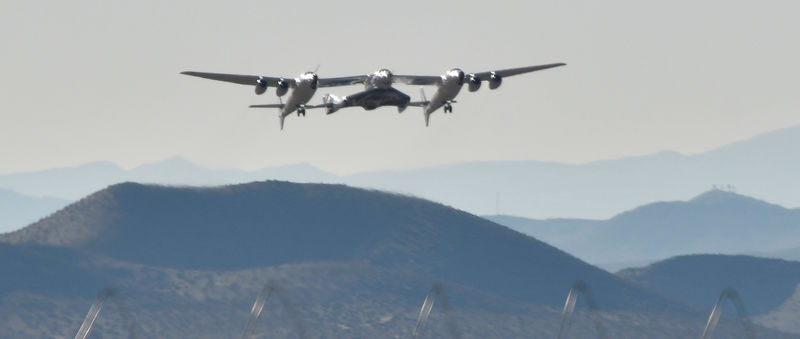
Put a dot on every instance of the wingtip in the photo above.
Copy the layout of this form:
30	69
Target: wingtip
557	64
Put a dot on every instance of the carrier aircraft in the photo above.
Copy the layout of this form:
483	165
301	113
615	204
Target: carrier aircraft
378	90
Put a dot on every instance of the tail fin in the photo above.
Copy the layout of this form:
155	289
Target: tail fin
425	106
278	106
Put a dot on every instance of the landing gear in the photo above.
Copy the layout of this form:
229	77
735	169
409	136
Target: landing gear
448	108
301	111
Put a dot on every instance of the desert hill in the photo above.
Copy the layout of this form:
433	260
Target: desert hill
766	286
188	261
275	223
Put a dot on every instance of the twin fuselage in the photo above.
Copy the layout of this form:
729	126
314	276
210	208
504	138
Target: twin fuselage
378	92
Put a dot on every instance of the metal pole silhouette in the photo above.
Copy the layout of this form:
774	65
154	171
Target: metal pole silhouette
713	318
578	288
258	307
94	312
437	291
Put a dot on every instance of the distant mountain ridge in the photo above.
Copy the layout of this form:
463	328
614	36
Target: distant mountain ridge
714	222
73	183
17	210
763	166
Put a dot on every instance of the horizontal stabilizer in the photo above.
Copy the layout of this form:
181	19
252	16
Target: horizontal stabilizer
267	106
315	106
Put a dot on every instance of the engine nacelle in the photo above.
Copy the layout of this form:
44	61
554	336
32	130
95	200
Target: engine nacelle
261	86
474	84
282	87
495	81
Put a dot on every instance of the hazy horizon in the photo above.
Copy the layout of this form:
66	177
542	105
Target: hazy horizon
128	167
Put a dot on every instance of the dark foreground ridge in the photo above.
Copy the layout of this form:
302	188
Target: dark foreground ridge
274	223
763	284
354	263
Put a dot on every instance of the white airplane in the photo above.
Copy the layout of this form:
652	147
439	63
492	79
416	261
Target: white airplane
378	88
450	83
302	88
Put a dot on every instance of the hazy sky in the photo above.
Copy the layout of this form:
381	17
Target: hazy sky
98	80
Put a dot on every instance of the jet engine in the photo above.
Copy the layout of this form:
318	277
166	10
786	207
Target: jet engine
261	86
282	87
474	83
495	81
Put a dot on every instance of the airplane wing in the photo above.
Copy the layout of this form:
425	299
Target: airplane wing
240	78
514	71
417	79
243	79
342	81
437	80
